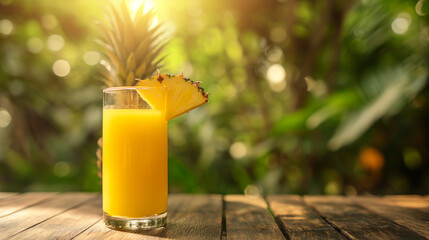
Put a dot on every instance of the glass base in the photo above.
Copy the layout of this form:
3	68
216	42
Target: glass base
134	224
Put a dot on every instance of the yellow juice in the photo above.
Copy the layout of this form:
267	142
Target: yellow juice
134	162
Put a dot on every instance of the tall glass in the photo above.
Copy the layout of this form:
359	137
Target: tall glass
134	161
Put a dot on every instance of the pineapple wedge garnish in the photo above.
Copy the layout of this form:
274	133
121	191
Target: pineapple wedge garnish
172	94
154	94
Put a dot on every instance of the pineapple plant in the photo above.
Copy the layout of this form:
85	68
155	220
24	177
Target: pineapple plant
132	51
132	48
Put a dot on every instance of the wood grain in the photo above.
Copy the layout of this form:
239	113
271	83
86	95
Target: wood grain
21	201
356	222
78	216
298	220
413	201
76	219
4	195
249	218
413	219
189	217
29	217
97	231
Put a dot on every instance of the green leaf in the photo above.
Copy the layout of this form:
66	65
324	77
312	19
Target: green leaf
292	122
396	86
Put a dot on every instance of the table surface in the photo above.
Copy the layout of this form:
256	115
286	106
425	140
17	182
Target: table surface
79	216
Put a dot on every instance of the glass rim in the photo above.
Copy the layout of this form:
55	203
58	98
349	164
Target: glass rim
110	89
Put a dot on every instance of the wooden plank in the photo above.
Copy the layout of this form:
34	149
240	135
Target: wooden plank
15	203
409	218
4	195
67	224
409	201
189	217
194	217
99	231
31	216
249	218
298	220
356	222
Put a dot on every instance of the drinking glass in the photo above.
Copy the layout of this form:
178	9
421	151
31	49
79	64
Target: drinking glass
134	169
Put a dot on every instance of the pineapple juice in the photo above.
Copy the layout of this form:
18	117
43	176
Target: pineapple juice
134	162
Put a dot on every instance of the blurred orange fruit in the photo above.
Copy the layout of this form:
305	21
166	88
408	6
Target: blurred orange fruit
371	159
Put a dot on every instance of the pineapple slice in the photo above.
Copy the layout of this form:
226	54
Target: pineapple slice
181	94
154	95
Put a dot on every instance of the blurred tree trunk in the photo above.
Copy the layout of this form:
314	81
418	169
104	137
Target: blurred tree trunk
325	30
303	53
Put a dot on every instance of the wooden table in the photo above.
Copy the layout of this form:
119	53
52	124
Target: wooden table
78	216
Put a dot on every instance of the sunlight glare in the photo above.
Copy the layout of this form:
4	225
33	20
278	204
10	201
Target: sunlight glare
134	6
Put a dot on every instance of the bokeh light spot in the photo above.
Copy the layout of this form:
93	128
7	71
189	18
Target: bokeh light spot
371	159
276	75
317	87
332	188
5	118
350	191
310	83
35	45
275	54
401	23
278	34
252	191
422	8
412	158
49	21
55	42
6	26
61	68
16	87
91	57
61	169
238	150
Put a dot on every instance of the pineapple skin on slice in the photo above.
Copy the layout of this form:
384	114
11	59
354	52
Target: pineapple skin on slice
180	94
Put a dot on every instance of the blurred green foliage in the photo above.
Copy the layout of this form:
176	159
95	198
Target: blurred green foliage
309	97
